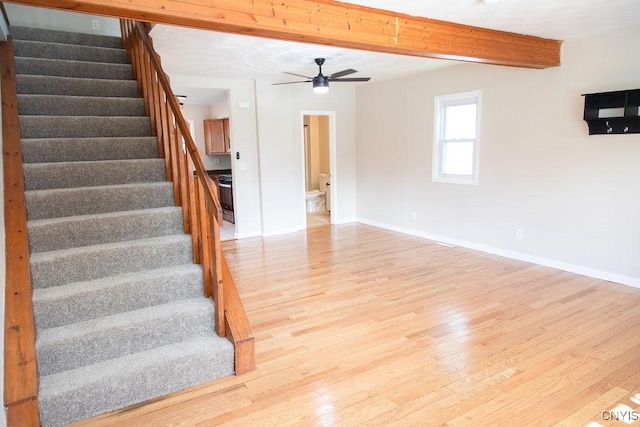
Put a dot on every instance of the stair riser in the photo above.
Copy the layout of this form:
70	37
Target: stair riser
117	340
38	49
90	230
83	301
92	200
66	398
71	86
40	105
38	34
83	127
44	150
40	176
96	262
117	300
55	67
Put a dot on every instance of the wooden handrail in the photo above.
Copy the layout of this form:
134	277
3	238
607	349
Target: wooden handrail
20	370
194	192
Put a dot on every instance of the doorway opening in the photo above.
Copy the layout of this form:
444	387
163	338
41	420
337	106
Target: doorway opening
208	114
318	196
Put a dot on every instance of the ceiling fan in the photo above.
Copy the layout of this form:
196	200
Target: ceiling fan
321	82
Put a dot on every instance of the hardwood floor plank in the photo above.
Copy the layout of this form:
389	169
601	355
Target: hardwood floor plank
548	369
356	325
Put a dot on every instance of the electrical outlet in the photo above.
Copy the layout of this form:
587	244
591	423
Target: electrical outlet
95	24
216	160
414	215
519	234
242	166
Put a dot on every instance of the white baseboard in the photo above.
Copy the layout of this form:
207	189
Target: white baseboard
572	268
296	229
279	232
246	235
345	220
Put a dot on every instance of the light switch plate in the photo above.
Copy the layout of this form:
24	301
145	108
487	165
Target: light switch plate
243	104
242	166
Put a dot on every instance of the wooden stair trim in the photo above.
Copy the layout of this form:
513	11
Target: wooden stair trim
238	327
20	369
333	23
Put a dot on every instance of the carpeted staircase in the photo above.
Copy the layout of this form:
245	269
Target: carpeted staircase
119	306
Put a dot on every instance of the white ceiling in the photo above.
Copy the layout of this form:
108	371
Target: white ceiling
210	54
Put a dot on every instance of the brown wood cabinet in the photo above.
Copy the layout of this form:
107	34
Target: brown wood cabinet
216	136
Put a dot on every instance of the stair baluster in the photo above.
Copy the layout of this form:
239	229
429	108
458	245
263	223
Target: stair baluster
193	190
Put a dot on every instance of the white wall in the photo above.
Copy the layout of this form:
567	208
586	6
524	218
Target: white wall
279	177
220	108
282	152
199	113
244	139
575	196
27	16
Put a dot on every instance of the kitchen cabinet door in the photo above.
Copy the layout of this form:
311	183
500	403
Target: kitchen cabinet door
215	140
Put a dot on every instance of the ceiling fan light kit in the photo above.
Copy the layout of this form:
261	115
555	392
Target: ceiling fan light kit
321	82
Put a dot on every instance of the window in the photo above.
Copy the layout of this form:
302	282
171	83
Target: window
455	148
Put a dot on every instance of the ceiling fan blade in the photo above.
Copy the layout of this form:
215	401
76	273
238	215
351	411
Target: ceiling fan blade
298	75
290	83
352	79
342	73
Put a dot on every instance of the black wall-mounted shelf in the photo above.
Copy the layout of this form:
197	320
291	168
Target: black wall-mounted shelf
612	112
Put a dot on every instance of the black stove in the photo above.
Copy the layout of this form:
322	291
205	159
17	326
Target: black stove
225	179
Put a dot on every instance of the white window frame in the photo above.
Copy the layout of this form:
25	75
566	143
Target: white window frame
441	103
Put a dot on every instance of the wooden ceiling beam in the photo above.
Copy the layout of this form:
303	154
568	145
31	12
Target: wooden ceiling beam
332	23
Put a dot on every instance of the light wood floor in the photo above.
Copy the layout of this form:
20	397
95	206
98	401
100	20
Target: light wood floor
318	218
358	326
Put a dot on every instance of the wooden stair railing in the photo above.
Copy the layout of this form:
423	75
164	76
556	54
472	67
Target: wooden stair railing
201	216
20	370
195	192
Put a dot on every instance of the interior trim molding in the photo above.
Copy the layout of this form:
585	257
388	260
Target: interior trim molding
333	23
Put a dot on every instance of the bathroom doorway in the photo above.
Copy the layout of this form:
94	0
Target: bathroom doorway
318	180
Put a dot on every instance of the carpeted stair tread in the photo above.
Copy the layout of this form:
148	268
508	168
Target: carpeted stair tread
64	105
87	230
75	86
83	69
91	390
71	52
64	266
83	126
62	202
41	176
80	301
56	36
118	302
84	343
46	150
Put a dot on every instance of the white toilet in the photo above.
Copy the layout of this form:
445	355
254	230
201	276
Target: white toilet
316	198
